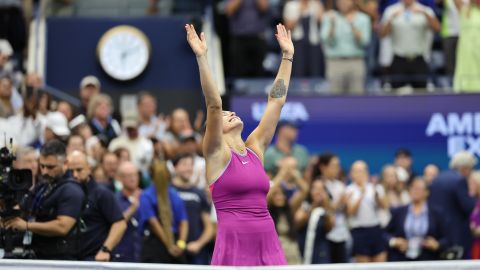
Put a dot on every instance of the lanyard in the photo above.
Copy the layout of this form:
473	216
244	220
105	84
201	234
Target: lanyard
38	199
40	196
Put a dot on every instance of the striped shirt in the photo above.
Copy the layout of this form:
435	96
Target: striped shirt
416	225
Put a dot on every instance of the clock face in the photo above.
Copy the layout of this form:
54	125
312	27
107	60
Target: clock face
123	52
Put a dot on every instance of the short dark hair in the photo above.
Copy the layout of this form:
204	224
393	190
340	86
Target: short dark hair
403	152
179	157
288	123
53	148
421	180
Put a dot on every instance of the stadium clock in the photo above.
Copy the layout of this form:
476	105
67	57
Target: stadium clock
124	52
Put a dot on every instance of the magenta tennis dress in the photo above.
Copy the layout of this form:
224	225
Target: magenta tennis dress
246	233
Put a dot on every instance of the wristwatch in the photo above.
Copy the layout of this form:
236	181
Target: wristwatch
106	249
392	242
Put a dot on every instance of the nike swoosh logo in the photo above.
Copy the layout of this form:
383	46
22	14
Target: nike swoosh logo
244	162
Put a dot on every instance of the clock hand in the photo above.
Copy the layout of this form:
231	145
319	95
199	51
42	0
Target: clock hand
123	54
133	50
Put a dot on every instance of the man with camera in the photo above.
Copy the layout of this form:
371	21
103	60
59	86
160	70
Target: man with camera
103	217
56	208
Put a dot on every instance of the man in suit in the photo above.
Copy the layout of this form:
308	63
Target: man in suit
449	193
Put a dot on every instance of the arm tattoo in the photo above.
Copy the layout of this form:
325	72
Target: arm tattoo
279	89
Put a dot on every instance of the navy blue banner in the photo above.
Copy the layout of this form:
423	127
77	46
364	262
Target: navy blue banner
371	128
71	54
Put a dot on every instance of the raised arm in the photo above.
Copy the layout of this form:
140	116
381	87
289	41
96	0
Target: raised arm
213	136
213	147
261	137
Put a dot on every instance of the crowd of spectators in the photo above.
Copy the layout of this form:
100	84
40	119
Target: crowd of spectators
348	41
135	189
404	44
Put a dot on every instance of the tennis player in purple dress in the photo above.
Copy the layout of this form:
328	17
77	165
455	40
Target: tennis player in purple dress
246	234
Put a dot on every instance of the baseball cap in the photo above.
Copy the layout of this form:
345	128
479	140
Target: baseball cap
130	119
77	121
57	122
5	47
90	80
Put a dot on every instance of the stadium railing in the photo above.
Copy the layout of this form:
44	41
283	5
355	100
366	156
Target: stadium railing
64	265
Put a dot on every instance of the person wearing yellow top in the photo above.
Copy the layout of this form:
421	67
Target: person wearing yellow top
467	72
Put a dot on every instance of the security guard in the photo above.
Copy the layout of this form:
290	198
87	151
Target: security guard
103	217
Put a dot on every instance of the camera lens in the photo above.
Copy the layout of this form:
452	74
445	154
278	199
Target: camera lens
20	179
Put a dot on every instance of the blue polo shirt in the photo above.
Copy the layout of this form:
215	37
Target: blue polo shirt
149	207
130	246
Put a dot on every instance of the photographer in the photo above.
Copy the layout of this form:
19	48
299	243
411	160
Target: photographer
55	210
103	216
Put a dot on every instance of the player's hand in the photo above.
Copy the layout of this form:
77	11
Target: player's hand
284	39
198	44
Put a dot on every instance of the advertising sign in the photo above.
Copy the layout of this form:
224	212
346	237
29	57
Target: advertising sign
433	127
